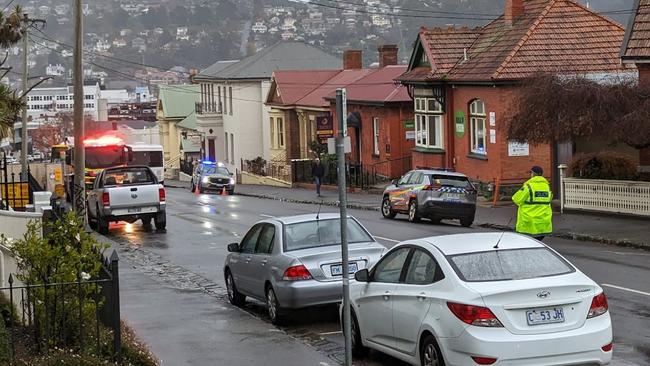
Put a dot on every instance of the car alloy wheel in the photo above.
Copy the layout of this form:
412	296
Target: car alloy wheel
413	212
386	211
234	296
430	353
229	287
273	306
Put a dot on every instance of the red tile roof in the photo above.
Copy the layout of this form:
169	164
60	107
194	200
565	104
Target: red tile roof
290	86
379	87
637	37
341	80
552	36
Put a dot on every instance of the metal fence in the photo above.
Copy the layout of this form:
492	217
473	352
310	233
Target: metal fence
187	167
15	192
624	197
278	169
356	174
57	314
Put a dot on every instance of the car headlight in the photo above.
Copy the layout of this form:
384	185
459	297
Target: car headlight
205	180
232	180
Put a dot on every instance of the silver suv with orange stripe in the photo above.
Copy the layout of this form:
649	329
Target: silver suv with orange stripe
433	194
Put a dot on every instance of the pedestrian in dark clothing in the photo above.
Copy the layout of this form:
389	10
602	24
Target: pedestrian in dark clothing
318	171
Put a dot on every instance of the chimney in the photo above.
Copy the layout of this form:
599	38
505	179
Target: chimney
352	59
513	9
387	55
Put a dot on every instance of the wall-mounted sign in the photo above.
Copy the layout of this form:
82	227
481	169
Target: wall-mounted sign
517	148
493	119
459	121
493	136
410	135
324	128
409	124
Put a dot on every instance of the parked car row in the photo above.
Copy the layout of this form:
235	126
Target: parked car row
466	299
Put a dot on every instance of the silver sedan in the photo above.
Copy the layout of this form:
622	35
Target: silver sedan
295	262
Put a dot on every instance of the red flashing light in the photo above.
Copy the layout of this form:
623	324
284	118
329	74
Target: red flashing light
103	141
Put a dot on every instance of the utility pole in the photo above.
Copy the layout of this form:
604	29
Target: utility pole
23	130
340	157
79	152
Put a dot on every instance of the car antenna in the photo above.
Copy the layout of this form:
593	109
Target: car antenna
496	246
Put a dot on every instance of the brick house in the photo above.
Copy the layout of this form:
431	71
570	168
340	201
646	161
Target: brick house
463	82
302	111
636	50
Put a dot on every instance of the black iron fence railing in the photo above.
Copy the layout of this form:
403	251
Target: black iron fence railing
187	167
76	315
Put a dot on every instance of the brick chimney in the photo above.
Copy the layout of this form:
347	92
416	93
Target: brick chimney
513	9
352	59
387	55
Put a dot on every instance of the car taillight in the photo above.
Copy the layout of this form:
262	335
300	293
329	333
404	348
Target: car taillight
296	273
598	306
484	360
106	199
161	194
607	347
475	315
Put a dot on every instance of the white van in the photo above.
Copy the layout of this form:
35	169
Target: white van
149	155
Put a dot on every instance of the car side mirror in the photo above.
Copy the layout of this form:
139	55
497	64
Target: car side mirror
395	182
231	174
362	275
233	248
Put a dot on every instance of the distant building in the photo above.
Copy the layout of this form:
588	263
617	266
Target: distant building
259	27
182	34
55	70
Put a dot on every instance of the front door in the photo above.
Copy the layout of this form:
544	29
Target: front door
398	195
375	305
212	156
241	264
415	299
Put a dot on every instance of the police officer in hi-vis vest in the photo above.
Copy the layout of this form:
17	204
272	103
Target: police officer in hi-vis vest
534	216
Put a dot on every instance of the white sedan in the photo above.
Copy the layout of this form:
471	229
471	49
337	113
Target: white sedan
480	299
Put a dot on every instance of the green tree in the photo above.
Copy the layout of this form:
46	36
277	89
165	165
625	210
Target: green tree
10	102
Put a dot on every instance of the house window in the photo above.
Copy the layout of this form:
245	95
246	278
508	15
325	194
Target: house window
375	135
477	127
280	132
230	98
219	97
226	140
273	133
225	97
232	149
428	123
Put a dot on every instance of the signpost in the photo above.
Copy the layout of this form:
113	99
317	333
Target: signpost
340	157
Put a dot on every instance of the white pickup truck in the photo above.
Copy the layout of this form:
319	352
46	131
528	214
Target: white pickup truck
128	194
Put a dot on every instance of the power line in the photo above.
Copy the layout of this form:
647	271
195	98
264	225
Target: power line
8	5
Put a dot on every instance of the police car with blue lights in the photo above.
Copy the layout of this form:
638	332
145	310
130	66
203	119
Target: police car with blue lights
435	194
212	176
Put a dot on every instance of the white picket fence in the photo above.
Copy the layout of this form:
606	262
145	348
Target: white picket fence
625	197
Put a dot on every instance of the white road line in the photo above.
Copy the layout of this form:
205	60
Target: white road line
627	253
265	215
387	239
330	333
627	289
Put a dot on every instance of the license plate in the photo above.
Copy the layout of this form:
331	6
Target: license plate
134	210
453	196
337	270
545	316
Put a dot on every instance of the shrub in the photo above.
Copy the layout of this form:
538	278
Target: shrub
4	344
604	165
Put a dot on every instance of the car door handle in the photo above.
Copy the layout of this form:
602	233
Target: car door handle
387	295
264	262
248	259
421	296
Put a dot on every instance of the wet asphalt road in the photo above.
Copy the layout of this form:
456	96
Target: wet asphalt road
191	253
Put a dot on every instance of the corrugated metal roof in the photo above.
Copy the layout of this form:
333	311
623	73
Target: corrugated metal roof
291	86
178	101
189	122
281	56
189	147
379	86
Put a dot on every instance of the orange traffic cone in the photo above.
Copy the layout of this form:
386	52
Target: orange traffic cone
223	191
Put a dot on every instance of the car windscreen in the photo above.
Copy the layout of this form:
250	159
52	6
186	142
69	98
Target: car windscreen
510	264
128	176
450	181
321	233
209	170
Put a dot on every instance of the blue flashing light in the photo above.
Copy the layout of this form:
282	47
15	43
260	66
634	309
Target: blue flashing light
208	162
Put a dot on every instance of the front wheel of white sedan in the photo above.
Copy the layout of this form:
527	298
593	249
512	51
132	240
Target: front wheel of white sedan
430	354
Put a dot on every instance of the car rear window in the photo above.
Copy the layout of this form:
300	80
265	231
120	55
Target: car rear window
128	176
321	233
510	264
450	181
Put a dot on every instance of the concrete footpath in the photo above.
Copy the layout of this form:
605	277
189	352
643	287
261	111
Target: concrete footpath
609	229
